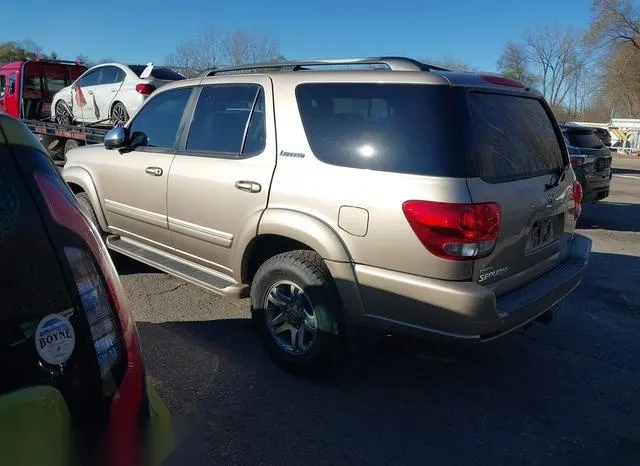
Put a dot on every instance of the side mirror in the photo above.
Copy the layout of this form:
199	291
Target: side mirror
138	139
116	138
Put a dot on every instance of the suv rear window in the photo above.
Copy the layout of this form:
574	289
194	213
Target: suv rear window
403	128
583	138
514	136
164	74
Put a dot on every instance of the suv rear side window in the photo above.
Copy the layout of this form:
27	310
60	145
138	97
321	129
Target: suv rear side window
160	118
514	137
583	138
220	120
403	128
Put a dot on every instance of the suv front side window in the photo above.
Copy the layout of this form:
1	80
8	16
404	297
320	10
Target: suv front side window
159	119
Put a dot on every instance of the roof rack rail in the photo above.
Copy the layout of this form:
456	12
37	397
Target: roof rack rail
50	60
394	64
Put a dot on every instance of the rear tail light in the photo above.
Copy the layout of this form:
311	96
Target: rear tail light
145	89
102	319
455	231
103	303
578	161
577	198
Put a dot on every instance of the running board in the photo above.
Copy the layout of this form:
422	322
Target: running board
178	267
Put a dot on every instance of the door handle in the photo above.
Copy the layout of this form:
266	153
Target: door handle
153	171
114	89
250	186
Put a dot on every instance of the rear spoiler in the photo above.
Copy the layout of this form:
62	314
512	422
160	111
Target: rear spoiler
147	71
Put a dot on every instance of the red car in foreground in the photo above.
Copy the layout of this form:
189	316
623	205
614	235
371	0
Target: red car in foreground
73	388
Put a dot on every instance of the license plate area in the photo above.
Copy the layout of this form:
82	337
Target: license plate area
603	163
542	233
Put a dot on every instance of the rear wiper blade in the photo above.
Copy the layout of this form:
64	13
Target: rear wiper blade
558	175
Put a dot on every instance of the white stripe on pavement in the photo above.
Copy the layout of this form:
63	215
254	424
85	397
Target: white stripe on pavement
628	176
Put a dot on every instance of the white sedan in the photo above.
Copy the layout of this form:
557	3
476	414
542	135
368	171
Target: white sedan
109	93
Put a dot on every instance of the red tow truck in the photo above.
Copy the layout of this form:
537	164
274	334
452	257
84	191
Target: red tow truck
27	87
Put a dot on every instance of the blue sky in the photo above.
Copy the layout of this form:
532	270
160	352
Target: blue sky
474	32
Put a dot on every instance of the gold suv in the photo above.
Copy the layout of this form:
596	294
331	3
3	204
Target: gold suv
340	194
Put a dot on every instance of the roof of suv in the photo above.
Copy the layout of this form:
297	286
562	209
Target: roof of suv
398	69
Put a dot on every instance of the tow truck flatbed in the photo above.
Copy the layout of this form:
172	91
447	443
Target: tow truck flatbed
86	134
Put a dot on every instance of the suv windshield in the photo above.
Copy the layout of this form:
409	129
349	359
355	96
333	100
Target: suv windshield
514	136
583	138
164	74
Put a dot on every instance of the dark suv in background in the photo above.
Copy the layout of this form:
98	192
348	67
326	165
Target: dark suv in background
604	135
590	159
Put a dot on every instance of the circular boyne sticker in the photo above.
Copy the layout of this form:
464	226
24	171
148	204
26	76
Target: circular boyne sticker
55	339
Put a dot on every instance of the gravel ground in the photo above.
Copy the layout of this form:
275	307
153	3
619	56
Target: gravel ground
564	394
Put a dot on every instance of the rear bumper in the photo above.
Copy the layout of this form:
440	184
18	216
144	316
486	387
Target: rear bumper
595	186
400	302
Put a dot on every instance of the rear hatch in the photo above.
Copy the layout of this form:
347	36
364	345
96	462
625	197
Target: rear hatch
587	151
517	160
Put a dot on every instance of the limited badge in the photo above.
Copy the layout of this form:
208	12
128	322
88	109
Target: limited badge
55	339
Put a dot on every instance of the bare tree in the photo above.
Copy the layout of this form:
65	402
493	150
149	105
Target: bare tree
240	47
620	82
200	53
615	21
615	30
211	50
514	63
450	63
556	53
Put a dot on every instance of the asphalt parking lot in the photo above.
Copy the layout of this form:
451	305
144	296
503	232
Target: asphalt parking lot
564	394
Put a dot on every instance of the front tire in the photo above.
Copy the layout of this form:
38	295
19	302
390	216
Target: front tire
63	115
85	204
296	308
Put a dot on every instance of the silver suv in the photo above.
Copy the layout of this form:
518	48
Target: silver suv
342	194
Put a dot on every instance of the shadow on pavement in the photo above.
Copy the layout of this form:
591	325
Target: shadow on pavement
566	394
626	171
127	266
616	216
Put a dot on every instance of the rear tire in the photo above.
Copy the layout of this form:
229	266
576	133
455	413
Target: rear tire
298	314
85	204
119	115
